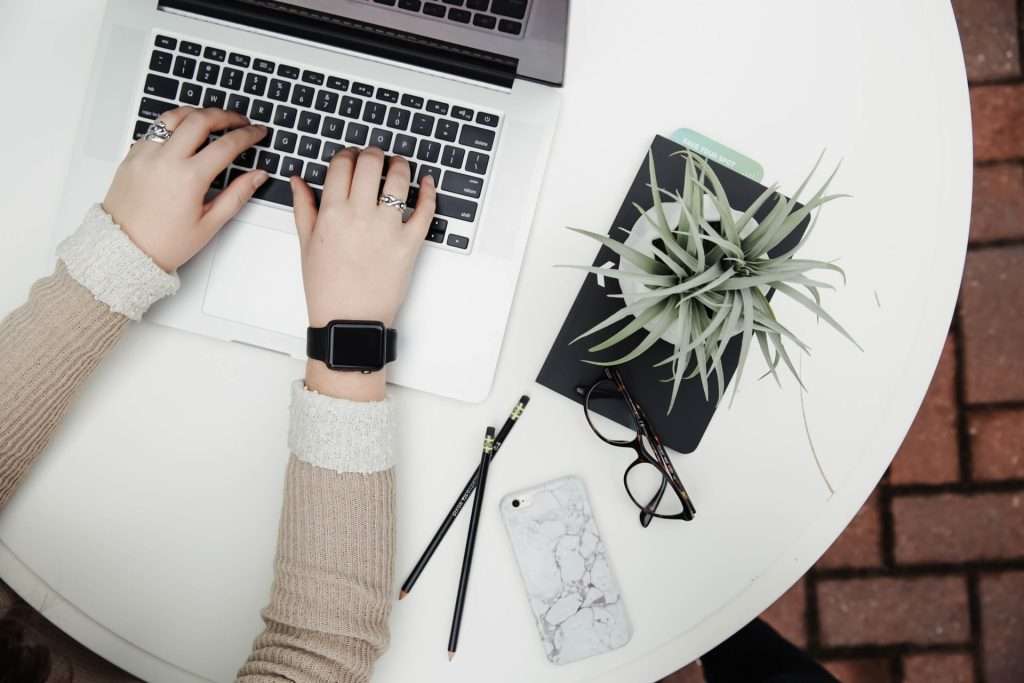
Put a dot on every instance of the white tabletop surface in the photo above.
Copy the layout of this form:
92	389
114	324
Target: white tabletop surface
147	529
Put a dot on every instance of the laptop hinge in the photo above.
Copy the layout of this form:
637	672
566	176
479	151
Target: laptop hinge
356	36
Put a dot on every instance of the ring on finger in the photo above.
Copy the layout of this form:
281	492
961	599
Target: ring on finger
395	203
158	132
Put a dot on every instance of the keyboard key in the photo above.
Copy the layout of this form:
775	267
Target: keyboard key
335	83
452	156
309	122
398	118
434	236
208	73
438	227
140	129
190	48
291	166
238	104
447	130
457	3
485	119
422	124
269	162
327	101
432	9
264	66
285	141
459	15
405	145
285	116
432	171
309	147
389	3
332	128
456	207
429	150
215	54
303	96
287	71
160	86
381	138
364	89
240	60
166	42
480	138
261	111
231	79
315	174
458	241
412	101
462	113
191	94
356	133
411	5
312	77
435	107
267	139
215	98
279	90
276	191
509	26
161	61
374	112
387	95
478	5
460	183
477	162
184	67
256	84
246	159
152	109
330	149
484	21
509	8
219	182
350	107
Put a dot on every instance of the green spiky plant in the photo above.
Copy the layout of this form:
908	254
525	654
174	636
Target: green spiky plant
713	283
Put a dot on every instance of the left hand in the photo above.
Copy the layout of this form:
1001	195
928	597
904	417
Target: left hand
159	191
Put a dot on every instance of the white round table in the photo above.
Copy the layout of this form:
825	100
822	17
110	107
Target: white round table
147	529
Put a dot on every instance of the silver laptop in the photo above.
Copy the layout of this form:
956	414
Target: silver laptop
466	90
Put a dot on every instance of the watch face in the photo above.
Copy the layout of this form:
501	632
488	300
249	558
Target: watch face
358	346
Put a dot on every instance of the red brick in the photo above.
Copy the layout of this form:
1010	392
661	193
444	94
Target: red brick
997	444
997	212
788	615
958	528
938	668
691	673
988	33
998	115
930	452
860	544
1002	627
861	670
990	307
886	611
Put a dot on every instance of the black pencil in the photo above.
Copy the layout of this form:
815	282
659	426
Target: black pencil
460	502
474	523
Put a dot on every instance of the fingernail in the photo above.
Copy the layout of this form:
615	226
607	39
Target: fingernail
429	179
260	178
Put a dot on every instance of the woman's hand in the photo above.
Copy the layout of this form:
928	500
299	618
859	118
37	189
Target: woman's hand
357	256
158	193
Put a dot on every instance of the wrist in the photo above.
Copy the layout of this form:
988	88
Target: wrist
353	386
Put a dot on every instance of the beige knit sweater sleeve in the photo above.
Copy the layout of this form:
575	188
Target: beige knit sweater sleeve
330	601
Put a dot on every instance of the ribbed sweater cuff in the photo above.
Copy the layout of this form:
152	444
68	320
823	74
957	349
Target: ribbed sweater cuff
341	435
104	260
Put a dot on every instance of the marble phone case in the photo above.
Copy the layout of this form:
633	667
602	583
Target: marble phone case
563	561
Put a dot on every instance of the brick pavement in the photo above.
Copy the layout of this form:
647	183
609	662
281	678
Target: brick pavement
927	583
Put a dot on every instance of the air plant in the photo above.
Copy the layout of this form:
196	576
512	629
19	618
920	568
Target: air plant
702	284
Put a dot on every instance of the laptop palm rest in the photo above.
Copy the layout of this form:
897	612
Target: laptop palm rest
256	279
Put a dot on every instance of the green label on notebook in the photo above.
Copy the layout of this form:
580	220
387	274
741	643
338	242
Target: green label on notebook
730	158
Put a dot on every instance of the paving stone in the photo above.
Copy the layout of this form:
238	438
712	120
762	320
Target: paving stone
938	668
958	528
997	444
887	611
788	615
990	308
988	33
1002	627
930	451
997	211
861	670
860	544
998	115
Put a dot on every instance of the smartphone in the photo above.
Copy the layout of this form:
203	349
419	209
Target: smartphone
563	562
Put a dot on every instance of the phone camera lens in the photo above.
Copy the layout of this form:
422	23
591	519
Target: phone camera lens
515	503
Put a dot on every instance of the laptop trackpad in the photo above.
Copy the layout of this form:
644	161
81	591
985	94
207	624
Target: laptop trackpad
256	279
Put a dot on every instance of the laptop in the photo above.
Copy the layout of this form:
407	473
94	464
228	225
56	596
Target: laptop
467	90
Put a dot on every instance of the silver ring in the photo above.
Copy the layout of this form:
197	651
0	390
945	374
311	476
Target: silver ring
157	132
392	201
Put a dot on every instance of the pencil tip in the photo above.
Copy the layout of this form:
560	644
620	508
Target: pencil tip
402	594
450	655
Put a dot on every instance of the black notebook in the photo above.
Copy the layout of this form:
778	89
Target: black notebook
565	369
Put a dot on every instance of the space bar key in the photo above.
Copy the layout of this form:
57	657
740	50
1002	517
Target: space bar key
274	190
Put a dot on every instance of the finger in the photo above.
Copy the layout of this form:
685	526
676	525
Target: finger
230	201
304	203
397	181
338	183
171	119
197	126
216	156
366	179
426	205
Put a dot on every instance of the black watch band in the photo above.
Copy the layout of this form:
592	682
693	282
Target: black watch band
352	345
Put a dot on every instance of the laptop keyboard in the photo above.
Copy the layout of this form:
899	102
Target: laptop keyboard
312	115
502	16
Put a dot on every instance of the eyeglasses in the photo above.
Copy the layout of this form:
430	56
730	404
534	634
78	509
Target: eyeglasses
651	481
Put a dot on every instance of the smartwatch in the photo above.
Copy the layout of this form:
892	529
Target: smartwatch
352	345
